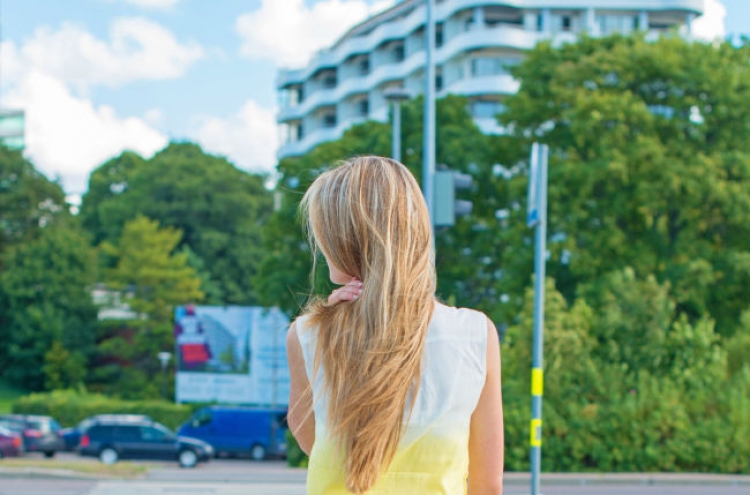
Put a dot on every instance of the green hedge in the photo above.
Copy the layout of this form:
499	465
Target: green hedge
69	407
295	457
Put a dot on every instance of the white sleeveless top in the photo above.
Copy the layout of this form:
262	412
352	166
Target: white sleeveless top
433	456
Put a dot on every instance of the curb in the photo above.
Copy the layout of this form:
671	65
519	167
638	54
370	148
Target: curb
53	474
673	479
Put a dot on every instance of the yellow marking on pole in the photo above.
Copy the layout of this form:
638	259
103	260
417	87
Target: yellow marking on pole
537	381
536	433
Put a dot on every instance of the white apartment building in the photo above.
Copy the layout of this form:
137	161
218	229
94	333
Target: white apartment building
12	124
476	42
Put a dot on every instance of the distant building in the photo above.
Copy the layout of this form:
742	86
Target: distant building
476	42
113	304
12	124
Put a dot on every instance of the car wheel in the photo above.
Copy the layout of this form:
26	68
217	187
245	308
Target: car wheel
108	456
258	452
188	458
49	454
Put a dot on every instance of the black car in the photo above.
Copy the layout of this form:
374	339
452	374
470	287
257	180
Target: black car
39	433
113	440
72	436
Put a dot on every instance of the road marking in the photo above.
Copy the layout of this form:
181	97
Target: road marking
195	488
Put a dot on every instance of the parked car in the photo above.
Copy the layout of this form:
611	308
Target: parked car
11	443
39	433
72	436
259	433
117	439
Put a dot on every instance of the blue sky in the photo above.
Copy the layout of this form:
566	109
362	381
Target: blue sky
100	76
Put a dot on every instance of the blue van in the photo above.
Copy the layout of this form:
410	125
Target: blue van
259	433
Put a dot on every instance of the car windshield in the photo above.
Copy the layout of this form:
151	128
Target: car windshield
166	431
12	424
43	425
6	432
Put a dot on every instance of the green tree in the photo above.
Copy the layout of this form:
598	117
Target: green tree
101	209
28	201
154	279
649	166
63	369
45	298
147	267
218	208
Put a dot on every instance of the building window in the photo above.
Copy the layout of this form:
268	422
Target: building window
492	66
539	22
438	82
329	120
300	132
482	109
364	66
399	53
566	22
330	80
623	24
439	34
363	107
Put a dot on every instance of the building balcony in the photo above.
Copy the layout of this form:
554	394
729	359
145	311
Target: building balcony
390	30
317	136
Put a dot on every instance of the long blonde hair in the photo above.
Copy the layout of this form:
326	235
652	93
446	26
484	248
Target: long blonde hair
369	218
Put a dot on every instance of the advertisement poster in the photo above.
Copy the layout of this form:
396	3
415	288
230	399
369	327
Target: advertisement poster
231	355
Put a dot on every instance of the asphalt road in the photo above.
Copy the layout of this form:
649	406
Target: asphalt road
242	477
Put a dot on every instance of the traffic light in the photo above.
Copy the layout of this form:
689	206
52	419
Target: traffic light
446	207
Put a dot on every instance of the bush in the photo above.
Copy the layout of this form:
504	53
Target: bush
69	407
295	457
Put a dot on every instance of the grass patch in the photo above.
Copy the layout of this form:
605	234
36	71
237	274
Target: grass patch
122	469
8	395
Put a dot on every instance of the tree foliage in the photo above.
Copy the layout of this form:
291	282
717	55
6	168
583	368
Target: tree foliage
28	201
154	279
649	163
45	298
219	209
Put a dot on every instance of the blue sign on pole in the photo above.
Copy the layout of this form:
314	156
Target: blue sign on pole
532	206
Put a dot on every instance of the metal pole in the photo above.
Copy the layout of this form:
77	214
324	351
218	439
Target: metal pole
396	141
537	366
428	162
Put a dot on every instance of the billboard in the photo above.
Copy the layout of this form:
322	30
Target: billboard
231	355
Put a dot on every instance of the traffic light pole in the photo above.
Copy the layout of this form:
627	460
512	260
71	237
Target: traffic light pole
538	194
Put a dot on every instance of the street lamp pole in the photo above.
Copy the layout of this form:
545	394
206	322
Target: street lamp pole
428	155
164	358
396	96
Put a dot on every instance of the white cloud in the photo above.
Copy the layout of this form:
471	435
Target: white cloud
154	116
138	49
154	4
249	138
68	136
711	25
289	32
